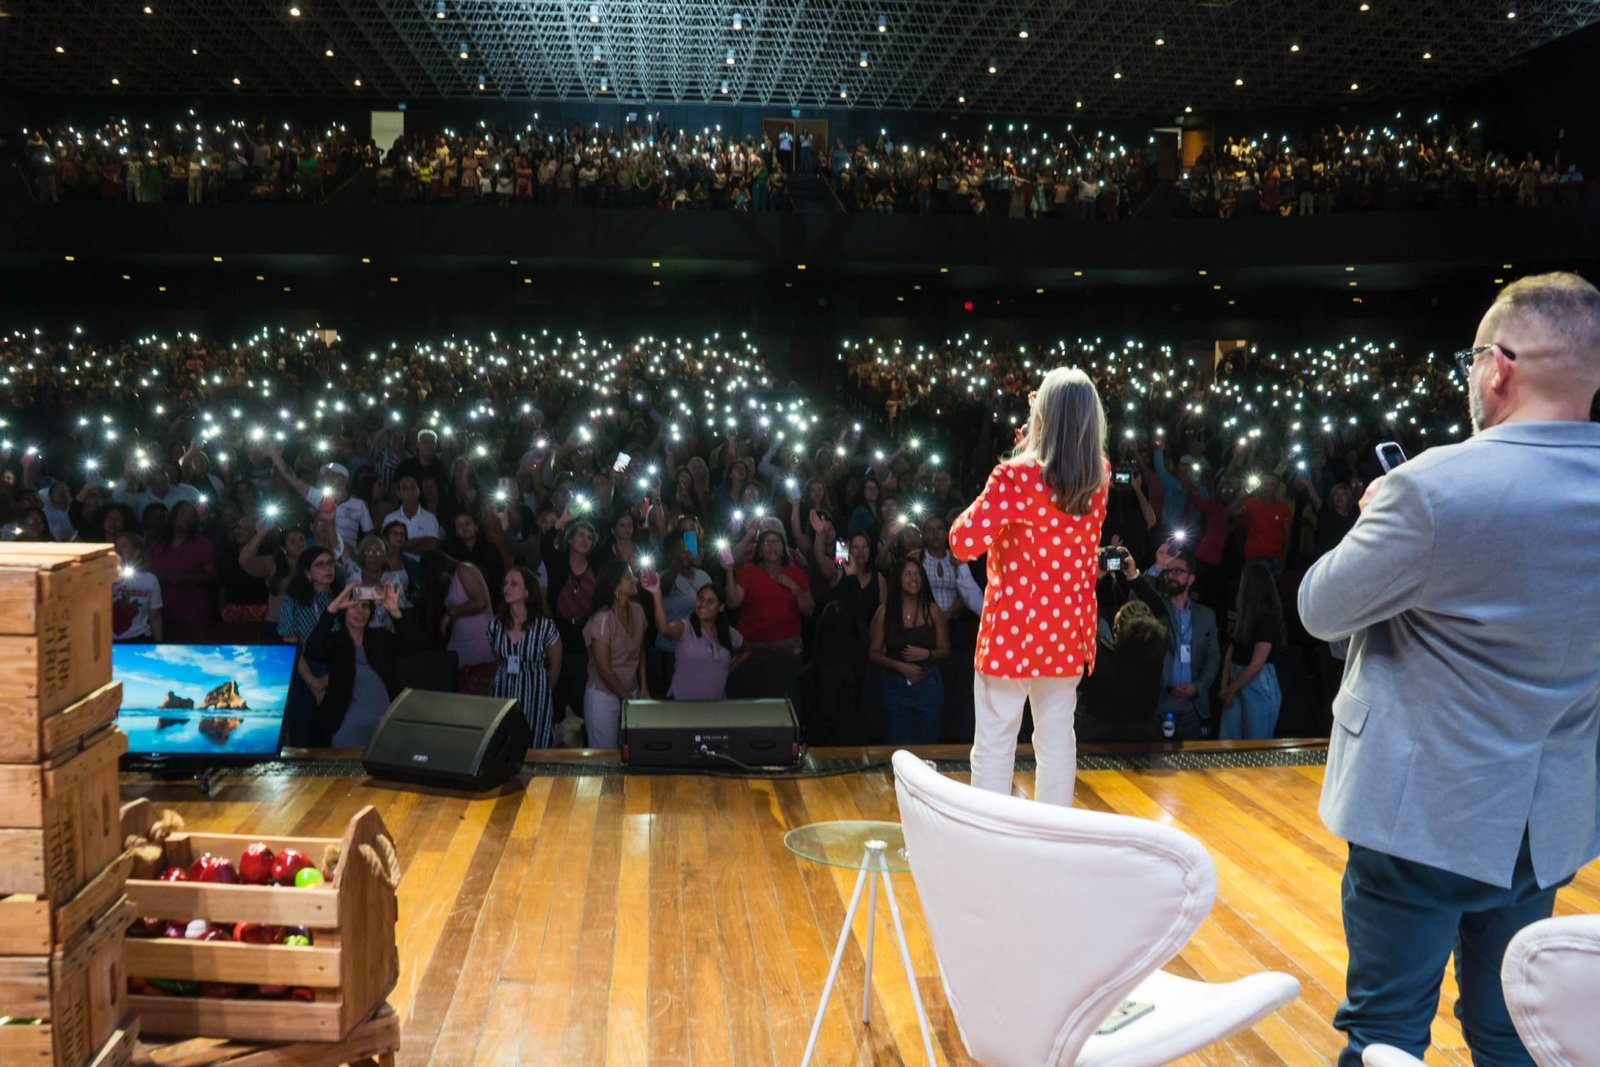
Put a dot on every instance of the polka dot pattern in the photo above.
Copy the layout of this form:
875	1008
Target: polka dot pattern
1038	608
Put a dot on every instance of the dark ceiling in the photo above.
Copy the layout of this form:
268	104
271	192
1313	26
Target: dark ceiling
890	54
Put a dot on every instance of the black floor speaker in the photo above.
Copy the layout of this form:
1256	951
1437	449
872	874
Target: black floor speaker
725	734
449	740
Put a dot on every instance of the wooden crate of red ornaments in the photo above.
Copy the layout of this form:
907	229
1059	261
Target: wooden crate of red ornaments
258	938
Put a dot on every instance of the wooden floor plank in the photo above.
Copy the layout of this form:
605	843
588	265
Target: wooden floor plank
602	919
442	978
585	1039
627	1007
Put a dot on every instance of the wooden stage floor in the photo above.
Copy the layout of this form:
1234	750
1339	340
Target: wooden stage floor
611	919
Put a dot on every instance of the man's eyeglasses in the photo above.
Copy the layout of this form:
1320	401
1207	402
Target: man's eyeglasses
1466	357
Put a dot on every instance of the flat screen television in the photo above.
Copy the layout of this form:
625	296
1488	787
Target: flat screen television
205	703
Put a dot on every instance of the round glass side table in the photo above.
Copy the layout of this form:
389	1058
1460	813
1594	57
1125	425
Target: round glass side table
872	848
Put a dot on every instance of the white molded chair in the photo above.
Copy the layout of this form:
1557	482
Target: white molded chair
1551	978
1044	919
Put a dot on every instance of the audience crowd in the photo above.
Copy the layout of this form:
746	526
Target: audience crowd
1014	173
1399	166
188	161
577	523
1018	172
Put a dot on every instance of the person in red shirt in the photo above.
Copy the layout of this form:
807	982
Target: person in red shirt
771	596
1267	519
1039	518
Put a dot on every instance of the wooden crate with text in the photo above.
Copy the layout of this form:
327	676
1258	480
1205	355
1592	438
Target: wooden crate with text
55	647
59	820
350	967
78	993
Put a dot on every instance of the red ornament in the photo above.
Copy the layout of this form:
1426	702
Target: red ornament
287	864
255	866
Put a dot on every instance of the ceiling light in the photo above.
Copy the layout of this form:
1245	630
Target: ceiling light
994	68
148	10
1161	39
61	50
216	259
863	61
1349	270
438	10
1354	86
1511	12
603	85
1427	55
366	259
328	52
115	80
730	59
594	13
1116	75
844	94
724	86
462	51
194	51
483	82
961	96
597	56
1294	48
1077	104
738	22
1238	83
883	23
1022	31
70	259
236	81
358	83
1188	109
294	11
1364	7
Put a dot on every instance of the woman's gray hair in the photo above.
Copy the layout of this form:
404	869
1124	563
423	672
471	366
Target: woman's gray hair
1066	436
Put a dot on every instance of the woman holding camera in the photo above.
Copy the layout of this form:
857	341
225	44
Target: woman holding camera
361	662
1039	519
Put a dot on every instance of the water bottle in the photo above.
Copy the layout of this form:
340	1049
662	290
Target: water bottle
1169	726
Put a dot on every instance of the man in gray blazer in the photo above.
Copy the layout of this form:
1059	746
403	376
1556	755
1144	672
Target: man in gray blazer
1189	669
1463	764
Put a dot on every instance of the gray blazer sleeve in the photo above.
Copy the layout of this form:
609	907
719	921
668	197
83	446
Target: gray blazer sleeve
1379	568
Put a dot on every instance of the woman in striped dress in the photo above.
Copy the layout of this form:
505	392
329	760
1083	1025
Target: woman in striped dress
527	651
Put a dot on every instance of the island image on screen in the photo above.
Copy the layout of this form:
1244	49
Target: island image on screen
207	701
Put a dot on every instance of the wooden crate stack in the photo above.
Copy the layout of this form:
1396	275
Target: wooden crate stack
63	908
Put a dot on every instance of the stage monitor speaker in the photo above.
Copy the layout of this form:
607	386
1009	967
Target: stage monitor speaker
449	740
713	733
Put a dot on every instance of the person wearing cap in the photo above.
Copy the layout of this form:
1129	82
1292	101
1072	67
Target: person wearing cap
350	513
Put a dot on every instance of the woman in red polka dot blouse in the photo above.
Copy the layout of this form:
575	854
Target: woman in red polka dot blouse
1039	519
